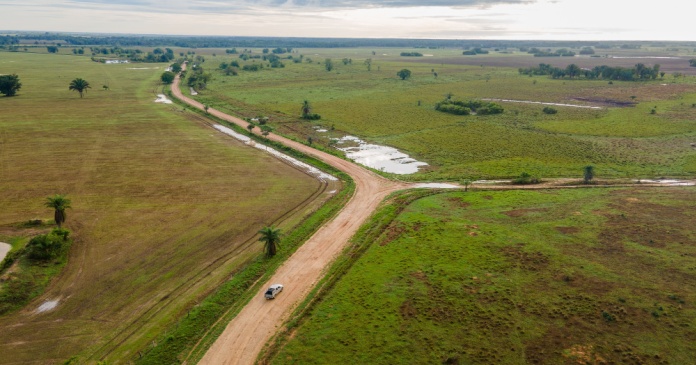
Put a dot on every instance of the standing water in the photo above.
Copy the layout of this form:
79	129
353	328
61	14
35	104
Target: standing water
382	158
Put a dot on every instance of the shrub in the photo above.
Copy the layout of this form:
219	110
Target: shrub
47	246
526	179
549	110
313	116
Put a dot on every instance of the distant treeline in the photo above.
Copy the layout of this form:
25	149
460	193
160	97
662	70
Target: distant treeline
86	39
638	72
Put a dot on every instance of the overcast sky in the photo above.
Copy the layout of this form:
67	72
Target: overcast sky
464	19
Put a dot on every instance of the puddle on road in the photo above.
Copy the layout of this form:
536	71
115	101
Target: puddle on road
322	176
382	158
543	103
436	186
47	306
667	182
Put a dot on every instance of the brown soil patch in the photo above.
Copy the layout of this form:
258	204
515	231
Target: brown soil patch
458	202
393	232
607	102
568	230
533	261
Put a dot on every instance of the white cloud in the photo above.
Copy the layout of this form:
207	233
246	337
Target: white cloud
504	19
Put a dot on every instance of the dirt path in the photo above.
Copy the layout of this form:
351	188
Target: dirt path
247	333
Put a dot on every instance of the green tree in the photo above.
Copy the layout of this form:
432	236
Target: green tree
79	85
306	109
250	127
573	70
266	130
404	74
587	174
176	67
328	64
59	203
9	84
368	63
167	77
270	236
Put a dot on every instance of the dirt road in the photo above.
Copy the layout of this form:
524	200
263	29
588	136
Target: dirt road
247	333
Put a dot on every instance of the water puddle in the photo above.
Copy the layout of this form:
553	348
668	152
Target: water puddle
322	176
114	62
161	98
142	68
382	158
647	57
193	92
322	130
47	306
667	182
543	103
436	186
4	250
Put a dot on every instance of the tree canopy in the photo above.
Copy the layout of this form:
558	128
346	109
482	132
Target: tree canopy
404	74
167	77
59	203
9	84
79	85
270	236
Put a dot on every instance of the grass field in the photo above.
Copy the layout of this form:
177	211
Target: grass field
163	207
378	107
582	276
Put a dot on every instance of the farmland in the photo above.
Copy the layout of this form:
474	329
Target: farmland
164	208
534	277
641	129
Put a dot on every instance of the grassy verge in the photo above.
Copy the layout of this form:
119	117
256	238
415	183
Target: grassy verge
368	233
516	277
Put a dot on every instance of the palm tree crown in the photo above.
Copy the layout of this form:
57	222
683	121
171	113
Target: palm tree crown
270	236
79	85
60	204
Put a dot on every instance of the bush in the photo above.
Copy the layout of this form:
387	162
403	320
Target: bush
311	116
459	107
549	110
47	246
526	179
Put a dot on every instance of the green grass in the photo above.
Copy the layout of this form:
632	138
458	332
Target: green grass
379	107
163	207
517	277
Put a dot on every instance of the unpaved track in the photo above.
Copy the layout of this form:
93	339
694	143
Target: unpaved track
247	333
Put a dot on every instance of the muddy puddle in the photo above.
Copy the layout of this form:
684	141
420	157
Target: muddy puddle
382	158
4	250
322	176
544	103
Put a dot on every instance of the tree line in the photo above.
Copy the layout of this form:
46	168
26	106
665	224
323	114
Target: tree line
638	72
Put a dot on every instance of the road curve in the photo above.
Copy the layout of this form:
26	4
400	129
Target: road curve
245	336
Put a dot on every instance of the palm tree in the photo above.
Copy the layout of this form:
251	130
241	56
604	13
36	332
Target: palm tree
588	173
270	236
79	85
60	204
306	109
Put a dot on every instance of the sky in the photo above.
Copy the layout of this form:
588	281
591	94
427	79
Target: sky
439	19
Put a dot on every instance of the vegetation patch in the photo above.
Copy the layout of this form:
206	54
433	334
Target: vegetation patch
519	291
